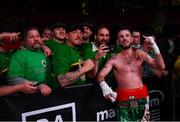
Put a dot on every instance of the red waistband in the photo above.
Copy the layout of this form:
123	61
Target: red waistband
127	94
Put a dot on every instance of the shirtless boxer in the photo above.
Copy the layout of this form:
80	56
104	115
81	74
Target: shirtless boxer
131	94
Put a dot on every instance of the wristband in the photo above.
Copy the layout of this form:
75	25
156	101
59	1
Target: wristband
156	49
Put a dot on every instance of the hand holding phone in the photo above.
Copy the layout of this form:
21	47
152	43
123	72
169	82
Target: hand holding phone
37	83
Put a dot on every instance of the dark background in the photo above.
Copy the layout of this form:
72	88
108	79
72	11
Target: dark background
147	14
112	12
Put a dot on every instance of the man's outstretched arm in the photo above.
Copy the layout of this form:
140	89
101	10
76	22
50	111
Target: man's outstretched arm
106	90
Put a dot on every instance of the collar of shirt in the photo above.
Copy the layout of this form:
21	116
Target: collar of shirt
94	48
61	42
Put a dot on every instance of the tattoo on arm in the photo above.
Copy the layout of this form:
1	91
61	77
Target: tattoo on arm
106	70
69	77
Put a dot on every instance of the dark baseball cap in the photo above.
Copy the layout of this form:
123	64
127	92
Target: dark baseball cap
73	27
58	25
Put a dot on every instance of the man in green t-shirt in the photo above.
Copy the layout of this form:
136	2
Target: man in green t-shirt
99	51
6	50
30	65
59	35
68	67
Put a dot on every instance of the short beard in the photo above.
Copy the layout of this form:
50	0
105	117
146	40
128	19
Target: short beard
36	46
125	47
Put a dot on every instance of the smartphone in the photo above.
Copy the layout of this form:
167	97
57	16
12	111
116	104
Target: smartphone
37	84
112	48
